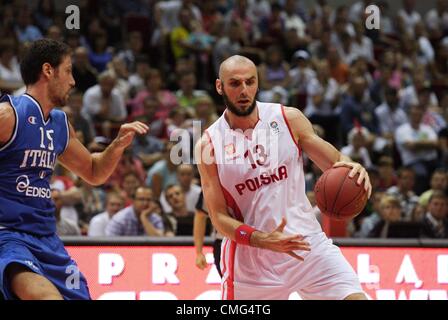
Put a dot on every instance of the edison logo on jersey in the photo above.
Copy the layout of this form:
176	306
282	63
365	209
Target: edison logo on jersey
23	186
39	158
265	178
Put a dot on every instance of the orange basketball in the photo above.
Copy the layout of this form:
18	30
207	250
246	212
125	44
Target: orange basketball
338	196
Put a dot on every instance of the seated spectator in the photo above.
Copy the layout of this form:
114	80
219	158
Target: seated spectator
84	74
368	223
274	71
137	78
64	226
138	219
389	212
387	177
183	218
80	121
24	29
404	193
100	54
98	224
104	104
205	112
10	77
185	176
162	173
338	69
129	184
166	100
92	203
187	93
147	148
356	149
417	144
134	49
300	75
69	195
435	221
389	115
439	182
357	108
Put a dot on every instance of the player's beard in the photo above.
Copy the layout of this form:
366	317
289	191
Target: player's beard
234	109
57	97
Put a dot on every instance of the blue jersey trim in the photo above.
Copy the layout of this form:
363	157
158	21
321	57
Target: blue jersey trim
16	126
68	132
37	104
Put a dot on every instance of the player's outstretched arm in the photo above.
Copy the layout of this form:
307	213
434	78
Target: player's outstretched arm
230	227
322	153
96	168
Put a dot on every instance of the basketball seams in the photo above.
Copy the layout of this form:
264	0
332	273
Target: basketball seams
356	198
337	195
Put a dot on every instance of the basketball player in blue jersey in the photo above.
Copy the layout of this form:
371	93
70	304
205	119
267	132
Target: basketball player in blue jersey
33	136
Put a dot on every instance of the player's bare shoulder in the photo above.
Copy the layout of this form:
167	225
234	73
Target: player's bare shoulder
298	122
204	153
7	122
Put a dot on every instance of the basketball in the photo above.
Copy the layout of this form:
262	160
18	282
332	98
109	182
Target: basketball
338	196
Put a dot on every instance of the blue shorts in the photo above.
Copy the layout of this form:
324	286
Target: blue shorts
45	256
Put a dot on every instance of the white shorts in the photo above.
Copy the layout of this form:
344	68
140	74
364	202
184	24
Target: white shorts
325	274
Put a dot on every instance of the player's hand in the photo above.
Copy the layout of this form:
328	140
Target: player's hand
357	168
280	242
128	131
201	262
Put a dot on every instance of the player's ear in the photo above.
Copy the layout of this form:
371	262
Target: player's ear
47	69
218	84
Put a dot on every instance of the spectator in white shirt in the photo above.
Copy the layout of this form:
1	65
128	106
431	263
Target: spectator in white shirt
356	149
98	224
409	16
10	77
389	115
437	19
104	103
417	144
185	176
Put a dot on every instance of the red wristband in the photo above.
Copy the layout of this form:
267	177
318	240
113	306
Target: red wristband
243	233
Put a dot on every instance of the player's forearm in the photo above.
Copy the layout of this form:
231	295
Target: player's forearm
225	224
104	163
199	227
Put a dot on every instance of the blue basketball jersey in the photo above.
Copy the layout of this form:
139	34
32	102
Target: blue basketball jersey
27	161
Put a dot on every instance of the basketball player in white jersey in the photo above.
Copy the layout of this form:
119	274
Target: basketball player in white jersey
251	166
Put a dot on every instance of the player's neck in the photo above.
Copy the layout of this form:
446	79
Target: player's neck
242	123
39	94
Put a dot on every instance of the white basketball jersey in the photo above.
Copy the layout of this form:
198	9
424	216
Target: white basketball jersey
262	179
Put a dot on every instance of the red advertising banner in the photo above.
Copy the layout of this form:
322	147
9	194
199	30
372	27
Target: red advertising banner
169	272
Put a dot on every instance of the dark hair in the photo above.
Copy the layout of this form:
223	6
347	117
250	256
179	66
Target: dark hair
40	52
437	194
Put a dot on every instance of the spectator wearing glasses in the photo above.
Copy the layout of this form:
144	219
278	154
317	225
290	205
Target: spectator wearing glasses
138	219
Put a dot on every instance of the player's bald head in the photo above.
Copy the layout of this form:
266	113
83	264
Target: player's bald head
233	64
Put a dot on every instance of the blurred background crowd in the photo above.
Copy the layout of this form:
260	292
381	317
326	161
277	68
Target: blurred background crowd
380	96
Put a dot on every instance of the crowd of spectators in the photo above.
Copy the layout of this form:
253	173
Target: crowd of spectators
380	96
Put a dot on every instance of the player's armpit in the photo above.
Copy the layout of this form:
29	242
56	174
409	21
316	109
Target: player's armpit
7	123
